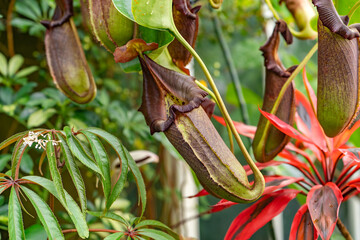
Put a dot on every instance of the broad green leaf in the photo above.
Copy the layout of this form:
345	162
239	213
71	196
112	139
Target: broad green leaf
155	234
71	206
153	14
40	117
22	8
34	7
344	6
3	65
16	227
79	152
126	160
110	215
102	160
4	159
45	215
26	71
15	64
12	139
115	236
16	156
54	171
74	172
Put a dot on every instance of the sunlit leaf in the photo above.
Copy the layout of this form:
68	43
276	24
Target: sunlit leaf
15	64
155	234
156	224
45	215
115	236
324	203
16	226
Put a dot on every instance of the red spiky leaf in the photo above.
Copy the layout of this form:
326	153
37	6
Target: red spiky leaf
241	128
302	227
257	215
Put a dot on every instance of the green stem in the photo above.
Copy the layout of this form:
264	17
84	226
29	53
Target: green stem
354	8
233	73
285	87
258	177
212	95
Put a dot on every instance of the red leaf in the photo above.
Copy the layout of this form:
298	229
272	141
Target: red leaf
273	183
307	122
324	203
345	135
257	215
200	194
302	227
221	205
310	91
285	128
261	166
241	128
350	155
293	160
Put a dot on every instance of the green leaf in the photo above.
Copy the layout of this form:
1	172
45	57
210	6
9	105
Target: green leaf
45	215
102	160
79	152
157	224
15	64
344	6
110	215
3	65
4	159
54	171
26	164
16	227
155	234
71	206
26	71
74	172
40	117
16	156
153	14
124	7
35	232
126	160
115	236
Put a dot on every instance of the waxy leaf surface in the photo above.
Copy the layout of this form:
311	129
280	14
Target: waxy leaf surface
302	227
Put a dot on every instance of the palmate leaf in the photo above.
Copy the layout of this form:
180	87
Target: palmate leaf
45	215
126	161
74	172
302	227
110	215
155	234
156	224
115	236
16	226
102	161
324	203
257	215
71	206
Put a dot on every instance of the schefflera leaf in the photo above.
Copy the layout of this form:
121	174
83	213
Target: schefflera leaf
67	62
186	21
108	25
172	103
338	70
267	145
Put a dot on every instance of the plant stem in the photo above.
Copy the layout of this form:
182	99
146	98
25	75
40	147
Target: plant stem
258	177
354	8
10	36
285	86
233	73
343	229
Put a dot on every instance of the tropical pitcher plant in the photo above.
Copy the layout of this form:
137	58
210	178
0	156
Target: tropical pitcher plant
157	37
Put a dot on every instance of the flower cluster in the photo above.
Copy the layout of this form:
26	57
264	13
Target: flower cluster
33	137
